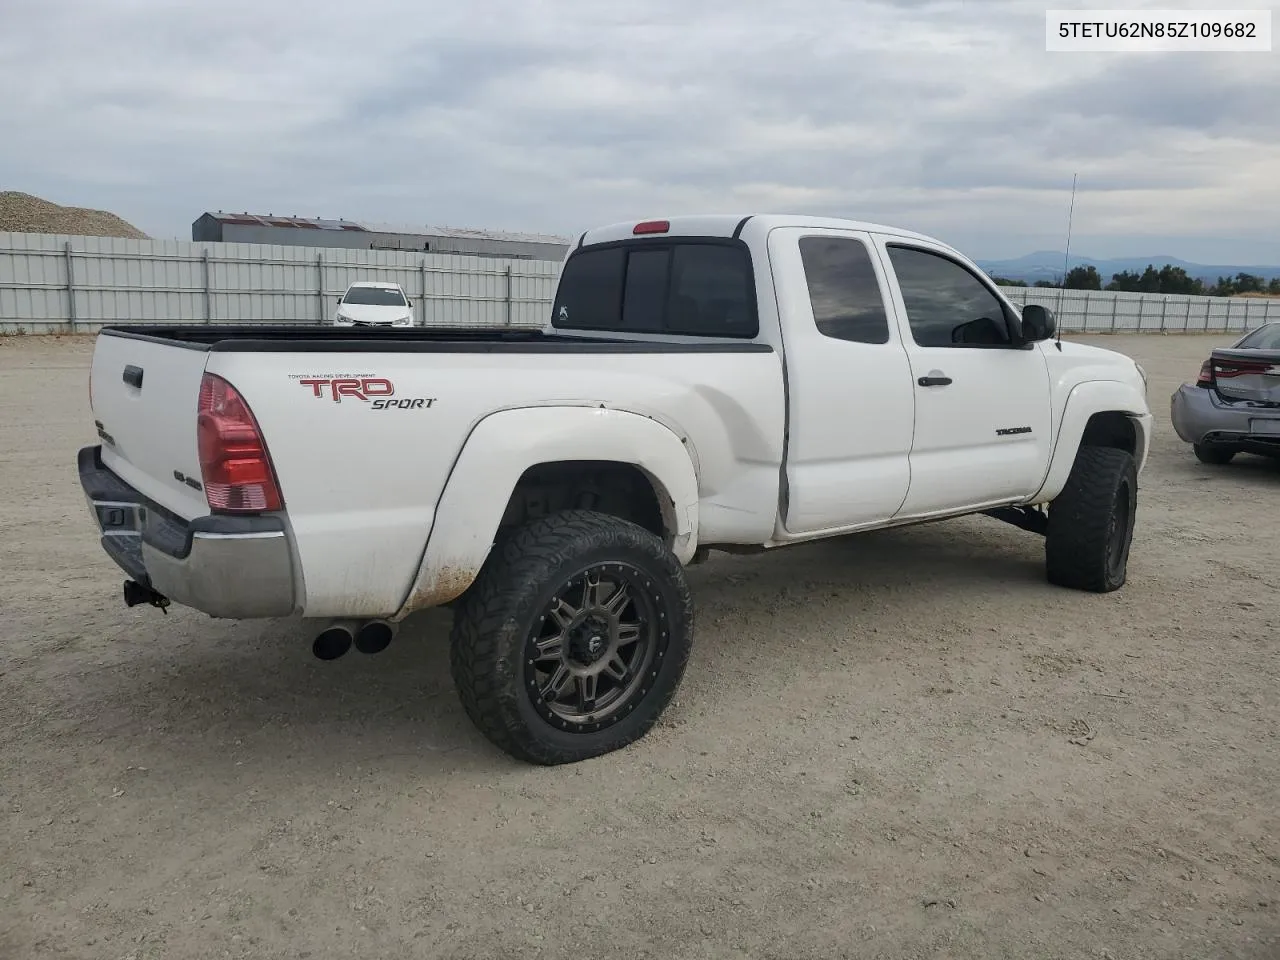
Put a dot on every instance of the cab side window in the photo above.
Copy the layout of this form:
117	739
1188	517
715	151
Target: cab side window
843	289
947	306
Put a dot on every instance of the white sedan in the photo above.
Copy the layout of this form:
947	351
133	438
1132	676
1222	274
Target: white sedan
367	304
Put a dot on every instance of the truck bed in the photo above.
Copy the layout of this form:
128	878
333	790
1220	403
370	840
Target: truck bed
290	338
362	470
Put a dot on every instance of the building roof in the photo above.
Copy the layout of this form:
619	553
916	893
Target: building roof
354	226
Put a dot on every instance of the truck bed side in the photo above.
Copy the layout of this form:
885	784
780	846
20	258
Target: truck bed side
364	432
361	472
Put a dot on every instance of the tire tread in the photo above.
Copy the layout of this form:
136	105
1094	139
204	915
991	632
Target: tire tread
1076	540
1214	454
485	623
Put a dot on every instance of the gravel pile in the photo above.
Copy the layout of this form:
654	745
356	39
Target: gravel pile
23	213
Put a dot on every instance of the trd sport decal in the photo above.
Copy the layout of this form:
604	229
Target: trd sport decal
378	392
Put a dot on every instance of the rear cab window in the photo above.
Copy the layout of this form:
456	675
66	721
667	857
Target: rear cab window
675	286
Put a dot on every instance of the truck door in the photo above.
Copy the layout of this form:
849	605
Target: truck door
849	389
982	400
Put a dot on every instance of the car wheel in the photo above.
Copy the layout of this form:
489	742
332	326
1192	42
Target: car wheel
1213	453
1091	522
573	639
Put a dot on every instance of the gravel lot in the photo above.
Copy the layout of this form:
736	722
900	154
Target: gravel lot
899	745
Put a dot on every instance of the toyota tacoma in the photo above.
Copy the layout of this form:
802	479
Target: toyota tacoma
702	383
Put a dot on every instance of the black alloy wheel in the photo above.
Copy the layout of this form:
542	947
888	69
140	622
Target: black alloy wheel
573	639
589	655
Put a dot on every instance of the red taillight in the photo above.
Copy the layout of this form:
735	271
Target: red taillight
1206	374
1226	369
234	463
652	226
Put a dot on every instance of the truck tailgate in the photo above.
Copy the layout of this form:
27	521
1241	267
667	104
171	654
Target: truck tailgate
144	396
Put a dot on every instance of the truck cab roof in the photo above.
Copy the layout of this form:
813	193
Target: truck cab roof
733	225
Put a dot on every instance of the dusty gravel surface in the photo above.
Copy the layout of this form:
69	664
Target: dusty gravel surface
900	745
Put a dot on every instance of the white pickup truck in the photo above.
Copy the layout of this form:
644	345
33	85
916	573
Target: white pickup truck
704	383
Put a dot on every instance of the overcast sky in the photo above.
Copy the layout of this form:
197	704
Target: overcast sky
555	115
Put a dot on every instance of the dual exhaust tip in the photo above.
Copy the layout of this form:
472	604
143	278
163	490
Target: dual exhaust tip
369	636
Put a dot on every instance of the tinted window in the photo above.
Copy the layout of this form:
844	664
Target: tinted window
646	290
374	297
711	293
947	306
844	292
699	289
589	295
1266	337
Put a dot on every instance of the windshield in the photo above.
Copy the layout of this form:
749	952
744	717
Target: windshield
1266	337
374	297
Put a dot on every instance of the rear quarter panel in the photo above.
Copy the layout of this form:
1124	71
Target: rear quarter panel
361	479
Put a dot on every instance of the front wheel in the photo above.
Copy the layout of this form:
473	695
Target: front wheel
1091	522
1213	453
573	639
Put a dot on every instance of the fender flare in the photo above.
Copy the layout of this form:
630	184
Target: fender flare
503	445
1083	402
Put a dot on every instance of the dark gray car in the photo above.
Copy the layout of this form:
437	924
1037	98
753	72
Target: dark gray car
1234	405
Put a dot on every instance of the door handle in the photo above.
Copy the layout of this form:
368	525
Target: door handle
934	381
132	376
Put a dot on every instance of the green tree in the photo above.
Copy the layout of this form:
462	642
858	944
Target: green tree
1168	279
1045	283
1006	282
1127	282
1225	287
1248	283
1273	287
1176	280
1149	282
1083	278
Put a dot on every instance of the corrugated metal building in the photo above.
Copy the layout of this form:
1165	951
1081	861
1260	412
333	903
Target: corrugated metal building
308	232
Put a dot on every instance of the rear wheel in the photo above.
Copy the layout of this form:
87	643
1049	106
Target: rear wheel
573	639
1091	522
1213	453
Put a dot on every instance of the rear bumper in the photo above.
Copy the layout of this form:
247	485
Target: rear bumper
231	567
1198	416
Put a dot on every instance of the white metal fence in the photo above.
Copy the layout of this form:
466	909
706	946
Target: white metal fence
70	284
67	284
1106	311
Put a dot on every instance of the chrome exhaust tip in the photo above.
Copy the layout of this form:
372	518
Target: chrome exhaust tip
374	636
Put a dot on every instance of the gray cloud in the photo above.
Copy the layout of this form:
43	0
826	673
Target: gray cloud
942	115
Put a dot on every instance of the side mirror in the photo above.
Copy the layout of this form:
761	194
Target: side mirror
1037	323
983	331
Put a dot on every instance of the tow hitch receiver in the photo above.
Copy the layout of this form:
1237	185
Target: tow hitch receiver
135	593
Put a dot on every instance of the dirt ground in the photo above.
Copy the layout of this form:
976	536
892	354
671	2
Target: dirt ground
899	745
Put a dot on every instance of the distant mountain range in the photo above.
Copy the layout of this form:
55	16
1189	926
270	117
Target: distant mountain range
1047	265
